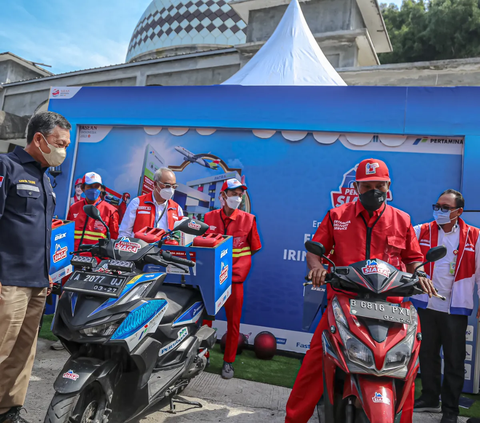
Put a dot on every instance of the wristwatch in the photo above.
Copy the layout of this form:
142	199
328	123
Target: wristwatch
422	274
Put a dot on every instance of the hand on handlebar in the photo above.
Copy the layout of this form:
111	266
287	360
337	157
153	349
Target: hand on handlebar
317	275
427	287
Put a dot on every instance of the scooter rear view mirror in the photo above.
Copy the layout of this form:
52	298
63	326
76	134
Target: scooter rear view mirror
436	253
191	227
92	212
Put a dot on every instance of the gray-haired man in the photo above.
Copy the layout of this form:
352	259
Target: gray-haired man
155	209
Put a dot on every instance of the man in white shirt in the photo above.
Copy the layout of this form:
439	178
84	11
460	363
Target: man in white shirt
444	323
155	209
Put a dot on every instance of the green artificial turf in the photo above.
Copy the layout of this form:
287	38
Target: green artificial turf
280	370
45	331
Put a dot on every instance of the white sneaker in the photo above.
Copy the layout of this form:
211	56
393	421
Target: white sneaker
57	346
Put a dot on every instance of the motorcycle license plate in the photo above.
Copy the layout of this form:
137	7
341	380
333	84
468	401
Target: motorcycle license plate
100	284
381	311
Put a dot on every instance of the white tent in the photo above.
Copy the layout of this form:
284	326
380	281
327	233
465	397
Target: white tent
291	56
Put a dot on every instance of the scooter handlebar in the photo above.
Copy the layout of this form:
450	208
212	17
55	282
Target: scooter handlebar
167	256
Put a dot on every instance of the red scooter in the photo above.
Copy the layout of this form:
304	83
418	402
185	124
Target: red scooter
370	353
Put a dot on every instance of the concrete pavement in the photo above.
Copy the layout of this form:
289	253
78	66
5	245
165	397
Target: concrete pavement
234	401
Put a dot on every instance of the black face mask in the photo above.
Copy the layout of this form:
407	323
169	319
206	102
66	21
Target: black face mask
372	200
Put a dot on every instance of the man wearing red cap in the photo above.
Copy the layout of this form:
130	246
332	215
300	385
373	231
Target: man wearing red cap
88	231
78	192
229	220
357	231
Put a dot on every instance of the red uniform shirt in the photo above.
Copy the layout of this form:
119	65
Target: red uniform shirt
88	231
242	227
355	236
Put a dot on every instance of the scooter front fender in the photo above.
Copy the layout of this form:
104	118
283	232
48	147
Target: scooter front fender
377	398
81	371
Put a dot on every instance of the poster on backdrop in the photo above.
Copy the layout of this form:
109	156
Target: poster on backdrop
292	182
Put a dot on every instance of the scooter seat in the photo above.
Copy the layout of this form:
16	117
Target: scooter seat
179	299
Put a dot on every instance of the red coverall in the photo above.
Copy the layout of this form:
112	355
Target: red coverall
345	229
246	241
87	230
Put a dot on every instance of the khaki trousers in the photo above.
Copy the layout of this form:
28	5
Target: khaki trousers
20	312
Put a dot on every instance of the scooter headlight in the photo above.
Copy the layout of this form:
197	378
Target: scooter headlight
104	329
401	353
356	351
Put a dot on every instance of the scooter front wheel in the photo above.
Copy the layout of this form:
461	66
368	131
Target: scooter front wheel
88	406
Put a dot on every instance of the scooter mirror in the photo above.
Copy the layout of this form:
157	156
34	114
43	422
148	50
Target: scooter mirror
436	253
92	212
315	248
191	227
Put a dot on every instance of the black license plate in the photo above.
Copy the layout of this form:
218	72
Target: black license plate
381	311
101	284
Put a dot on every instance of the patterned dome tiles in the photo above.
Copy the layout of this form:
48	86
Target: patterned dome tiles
168	24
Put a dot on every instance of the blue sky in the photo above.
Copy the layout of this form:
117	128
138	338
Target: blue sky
71	34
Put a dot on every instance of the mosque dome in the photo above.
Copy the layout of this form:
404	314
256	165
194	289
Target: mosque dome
167	24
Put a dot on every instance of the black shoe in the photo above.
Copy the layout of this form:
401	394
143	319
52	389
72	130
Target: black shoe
12	416
448	418
422	406
473	420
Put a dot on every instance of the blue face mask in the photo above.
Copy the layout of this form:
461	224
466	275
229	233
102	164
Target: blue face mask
441	217
92	194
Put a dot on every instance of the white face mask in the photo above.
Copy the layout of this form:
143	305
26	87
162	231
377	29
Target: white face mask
56	156
234	202
166	193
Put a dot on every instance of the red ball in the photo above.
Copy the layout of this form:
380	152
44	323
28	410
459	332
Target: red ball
242	342
265	345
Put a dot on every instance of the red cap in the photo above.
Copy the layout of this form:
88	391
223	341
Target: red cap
372	170
79	181
233	184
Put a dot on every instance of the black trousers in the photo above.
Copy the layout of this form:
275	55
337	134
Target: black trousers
447	331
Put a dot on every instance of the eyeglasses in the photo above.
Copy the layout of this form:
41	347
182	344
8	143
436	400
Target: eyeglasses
168	185
438	207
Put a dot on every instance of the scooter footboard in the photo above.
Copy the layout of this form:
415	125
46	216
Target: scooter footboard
377	397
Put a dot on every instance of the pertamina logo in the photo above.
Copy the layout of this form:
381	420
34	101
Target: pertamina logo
223	273
194	225
420	141
379	398
127	246
71	375
55	92
346	191
373	268
60	253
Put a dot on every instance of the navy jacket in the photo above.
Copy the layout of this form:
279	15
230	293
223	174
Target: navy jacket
27	204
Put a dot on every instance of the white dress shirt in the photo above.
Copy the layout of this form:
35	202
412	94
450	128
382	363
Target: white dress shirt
442	275
126	227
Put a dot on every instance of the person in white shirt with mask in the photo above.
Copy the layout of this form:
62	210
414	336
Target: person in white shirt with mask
444	323
155	209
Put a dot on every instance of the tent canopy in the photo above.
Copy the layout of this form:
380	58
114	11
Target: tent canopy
291	56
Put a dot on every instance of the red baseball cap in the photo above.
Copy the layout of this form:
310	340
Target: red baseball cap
79	181
372	170
233	184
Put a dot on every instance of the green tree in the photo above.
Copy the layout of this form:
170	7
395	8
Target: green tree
432	30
